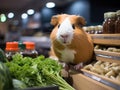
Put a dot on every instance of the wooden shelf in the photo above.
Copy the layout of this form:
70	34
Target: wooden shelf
102	79
82	82
107	56
106	39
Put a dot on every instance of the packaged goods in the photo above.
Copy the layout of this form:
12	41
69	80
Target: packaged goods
30	50
109	23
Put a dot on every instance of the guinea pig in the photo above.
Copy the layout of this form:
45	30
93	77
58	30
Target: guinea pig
69	42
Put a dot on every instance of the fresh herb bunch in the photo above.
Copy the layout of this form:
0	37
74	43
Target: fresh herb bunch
37	72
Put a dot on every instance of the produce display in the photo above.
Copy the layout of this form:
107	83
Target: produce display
107	69
37	72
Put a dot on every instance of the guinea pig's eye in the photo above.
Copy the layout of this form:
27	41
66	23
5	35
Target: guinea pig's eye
73	26
58	25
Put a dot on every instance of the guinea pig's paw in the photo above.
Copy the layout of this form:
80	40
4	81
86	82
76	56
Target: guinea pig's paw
78	66
65	66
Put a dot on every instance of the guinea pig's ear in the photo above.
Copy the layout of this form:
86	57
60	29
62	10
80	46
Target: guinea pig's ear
54	20
81	21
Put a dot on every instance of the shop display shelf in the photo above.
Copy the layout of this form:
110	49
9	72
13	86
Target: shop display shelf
83	82
114	84
106	39
113	57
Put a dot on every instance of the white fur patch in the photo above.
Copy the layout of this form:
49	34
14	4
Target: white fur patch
67	55
65	29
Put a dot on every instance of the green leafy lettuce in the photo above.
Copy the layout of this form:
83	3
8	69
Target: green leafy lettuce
37	72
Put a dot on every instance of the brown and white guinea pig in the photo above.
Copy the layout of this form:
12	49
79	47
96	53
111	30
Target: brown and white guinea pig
69	42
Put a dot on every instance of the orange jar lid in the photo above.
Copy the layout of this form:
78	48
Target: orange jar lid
11	46
30	45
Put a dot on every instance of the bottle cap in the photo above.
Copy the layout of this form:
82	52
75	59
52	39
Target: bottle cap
91	27
111	14
100	27
106	15
118	12
30	45
12	46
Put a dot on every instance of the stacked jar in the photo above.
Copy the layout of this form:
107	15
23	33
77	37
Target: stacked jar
109	23
11	49
117	23
91	29
30	50
98	29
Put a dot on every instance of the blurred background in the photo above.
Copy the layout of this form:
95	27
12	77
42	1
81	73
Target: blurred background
29	20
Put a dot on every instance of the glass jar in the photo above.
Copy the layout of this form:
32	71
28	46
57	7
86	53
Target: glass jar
100	29
117	23
92	29
96	29
11	49
109	23
105	23
30	50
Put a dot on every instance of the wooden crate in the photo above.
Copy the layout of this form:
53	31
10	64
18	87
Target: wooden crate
82	82
102	79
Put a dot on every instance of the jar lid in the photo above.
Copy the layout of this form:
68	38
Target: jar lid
11	46
109	14
118	12
91	27
106	15
100	27
88	28
29	45
96	28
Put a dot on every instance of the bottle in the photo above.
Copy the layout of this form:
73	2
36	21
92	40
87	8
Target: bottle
109	23
30	50
11	49
89	29
105	23
100	29
117	23
92	29
22	48
96	30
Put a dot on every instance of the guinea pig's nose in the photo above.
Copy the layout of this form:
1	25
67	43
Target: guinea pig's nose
64	36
